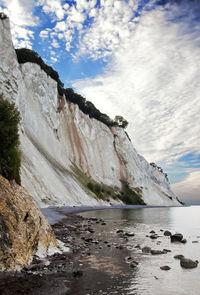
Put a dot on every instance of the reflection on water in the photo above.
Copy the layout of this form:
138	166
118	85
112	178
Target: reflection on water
149	278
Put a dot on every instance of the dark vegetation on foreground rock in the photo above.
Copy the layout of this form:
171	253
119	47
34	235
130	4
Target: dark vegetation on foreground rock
10	156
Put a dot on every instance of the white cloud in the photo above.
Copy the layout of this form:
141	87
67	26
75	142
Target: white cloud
66	6
112	25
60	26
54	59
99	30
44	34
84	5
55	43
20	14
75	16
153	81
52	6
189	189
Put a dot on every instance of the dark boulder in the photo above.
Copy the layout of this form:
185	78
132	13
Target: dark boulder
129	234
179	256
78	273
119	231
184	241
166	250
146	249
152	232
167	233
188	263
157	252
153	236
176	237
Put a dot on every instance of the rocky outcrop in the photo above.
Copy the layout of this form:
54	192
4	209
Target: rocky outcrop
23	229
56	136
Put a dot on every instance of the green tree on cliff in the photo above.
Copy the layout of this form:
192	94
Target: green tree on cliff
10	157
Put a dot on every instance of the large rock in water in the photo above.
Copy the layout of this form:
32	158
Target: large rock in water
23	229
188	263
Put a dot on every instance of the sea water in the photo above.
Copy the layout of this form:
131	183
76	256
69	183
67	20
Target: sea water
148	278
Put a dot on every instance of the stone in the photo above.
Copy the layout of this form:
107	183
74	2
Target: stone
167	233
71	227
176	237
188	263
89	240
78	273
129	234
133	264
33	267
157	252
165	267
166	250
179	256
152	232
184	241
24	230
153	236
128	258
146	249
119	231
138	246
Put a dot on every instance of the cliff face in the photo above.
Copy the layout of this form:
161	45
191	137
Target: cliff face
55	135
23	229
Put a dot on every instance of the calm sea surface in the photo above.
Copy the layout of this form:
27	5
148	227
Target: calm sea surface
148	278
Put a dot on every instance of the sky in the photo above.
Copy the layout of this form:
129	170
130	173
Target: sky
135	58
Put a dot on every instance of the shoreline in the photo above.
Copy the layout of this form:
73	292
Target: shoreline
73	272
106	257
55	214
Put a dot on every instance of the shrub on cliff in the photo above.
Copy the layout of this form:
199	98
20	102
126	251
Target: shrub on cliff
121	121
159	169
28	55
129	196
88	107
10	157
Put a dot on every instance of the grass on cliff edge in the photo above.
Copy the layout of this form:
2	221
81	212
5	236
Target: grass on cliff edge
105	192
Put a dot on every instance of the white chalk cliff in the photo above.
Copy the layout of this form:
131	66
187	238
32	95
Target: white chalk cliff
55	134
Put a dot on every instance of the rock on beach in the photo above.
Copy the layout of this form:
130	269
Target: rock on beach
188	263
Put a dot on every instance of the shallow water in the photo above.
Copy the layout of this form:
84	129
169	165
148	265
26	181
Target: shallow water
148	278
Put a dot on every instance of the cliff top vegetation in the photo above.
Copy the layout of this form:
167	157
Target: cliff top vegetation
26	55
